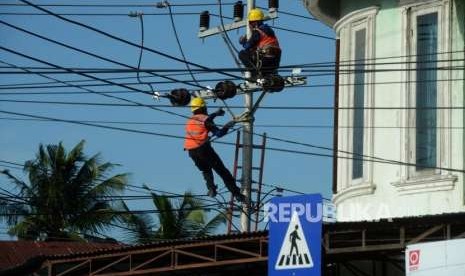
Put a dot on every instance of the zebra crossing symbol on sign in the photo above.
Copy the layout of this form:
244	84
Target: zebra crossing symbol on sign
294	251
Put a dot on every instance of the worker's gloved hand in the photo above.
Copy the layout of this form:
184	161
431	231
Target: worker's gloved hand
219	112
242	39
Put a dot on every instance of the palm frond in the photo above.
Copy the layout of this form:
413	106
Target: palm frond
110	186
139	226
212	225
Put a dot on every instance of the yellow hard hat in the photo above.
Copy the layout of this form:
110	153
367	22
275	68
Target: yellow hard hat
197	103
256	15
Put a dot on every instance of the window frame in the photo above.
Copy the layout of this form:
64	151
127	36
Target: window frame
357	26
412	180
415	13
346	29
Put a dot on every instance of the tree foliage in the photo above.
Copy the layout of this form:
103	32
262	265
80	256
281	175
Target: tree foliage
67	194
176	217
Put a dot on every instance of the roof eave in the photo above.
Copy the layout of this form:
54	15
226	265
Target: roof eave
327	11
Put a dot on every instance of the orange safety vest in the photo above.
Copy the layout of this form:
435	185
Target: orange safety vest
266	41
196	132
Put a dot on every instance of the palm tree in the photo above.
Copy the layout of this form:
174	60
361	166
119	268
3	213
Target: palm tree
176	217
67	194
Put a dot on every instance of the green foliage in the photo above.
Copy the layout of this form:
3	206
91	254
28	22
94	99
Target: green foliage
176	218
67	194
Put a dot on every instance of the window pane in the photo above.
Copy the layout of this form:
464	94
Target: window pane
426	90
359	99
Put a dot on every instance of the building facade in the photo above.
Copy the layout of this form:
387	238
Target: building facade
400	134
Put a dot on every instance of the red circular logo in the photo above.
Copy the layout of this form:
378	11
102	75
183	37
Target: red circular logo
414	257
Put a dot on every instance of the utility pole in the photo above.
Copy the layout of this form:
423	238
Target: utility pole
247	117
247	153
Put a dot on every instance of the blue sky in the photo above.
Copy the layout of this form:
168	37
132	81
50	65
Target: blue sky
161	162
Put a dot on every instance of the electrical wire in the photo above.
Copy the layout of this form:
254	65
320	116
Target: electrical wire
141	21
175	31
318	108
93	55
315	65
99	79
123	40
297	15
283	70
132	5
370	158
217	203
328	72
207	207
255	125
92	14
6	87
228	39
381	160
304	33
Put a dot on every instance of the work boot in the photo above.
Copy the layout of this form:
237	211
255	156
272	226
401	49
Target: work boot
212	191
208	176
240	197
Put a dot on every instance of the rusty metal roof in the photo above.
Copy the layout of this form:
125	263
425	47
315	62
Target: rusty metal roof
159	244
15	253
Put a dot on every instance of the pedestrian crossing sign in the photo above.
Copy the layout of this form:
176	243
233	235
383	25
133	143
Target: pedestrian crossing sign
295	235
294	251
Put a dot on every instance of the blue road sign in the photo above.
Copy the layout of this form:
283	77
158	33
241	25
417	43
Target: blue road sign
295	235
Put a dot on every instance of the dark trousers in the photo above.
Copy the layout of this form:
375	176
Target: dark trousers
269	64
206	159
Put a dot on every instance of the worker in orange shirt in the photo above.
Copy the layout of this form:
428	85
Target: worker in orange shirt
198	145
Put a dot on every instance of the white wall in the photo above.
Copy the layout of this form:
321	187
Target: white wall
391	190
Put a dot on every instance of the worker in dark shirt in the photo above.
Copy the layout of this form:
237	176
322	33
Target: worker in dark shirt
200	150
261	53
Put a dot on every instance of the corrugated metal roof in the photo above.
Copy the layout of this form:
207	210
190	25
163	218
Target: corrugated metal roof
161	243
17	253
14	253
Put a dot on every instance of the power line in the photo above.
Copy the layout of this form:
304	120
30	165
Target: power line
11	163
215	203
92	14
95	78
90	54
262	107
124	40
206	207
303	69
141	20
93	125
176	36
144	189
6	87
304	33
316	65
204	198
10	167
371	158
12	85
297	15
135	5
257	125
